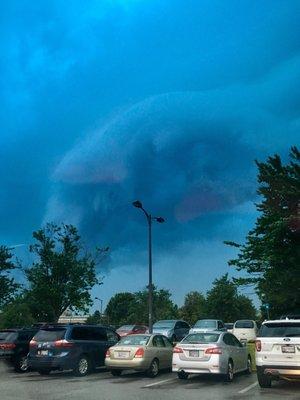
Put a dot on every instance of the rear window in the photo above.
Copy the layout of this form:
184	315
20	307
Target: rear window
280	329
244	325
205	323
126	328
8	336
201	338
139	340
50	335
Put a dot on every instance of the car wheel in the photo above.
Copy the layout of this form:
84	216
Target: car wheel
44	371
249	366
182	375
21	364
116	372
153	370
229	375
83	366
263	380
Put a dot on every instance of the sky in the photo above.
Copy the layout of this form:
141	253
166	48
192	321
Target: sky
165	101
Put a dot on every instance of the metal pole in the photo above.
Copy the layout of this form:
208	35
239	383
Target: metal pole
150	289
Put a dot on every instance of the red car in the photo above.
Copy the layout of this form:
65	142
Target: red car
131	329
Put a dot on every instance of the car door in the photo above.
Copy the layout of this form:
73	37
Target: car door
232	350
241	352
169	352
161	353
101	344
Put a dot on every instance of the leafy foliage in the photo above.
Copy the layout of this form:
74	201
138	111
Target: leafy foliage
16	314
224	302
8	286
120	308
96	318
271	254
63	274
194	307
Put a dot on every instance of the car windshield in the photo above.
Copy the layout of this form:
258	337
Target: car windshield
244	325
139	340
205	323
50	335
164	324
8	336
201	338
280	329
126	328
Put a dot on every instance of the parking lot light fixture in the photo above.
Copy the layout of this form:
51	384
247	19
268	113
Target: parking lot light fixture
160	220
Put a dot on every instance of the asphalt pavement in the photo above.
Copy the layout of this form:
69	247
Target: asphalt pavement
102	386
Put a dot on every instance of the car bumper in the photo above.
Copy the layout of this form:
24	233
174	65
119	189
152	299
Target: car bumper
135	364
278	371
37	363
197	367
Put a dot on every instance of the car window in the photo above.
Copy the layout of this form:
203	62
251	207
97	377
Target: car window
80	333
228	339
24	336
136	340
111	336
167	342
8	336
280	329
244	325
236	342
99	334
158	341
201	338
50	334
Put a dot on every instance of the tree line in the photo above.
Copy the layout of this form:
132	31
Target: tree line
63	272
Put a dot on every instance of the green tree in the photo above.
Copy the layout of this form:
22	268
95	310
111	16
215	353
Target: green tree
62	275
163	306
16	314
224	302
120	308
8	286
96	318
194	307
271	253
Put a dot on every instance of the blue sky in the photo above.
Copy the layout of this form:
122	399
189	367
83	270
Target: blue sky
169	102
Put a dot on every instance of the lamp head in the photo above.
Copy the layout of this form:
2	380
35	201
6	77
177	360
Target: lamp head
137	204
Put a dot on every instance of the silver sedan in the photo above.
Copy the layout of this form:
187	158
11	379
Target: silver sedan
210	353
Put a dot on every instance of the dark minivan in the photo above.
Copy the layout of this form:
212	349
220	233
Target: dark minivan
80	348
14	346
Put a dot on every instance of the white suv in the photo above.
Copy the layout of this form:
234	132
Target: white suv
278	351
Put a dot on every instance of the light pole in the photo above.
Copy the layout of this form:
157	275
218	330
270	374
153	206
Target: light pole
101	306
149	218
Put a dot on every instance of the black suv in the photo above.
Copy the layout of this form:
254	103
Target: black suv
77	347
14	346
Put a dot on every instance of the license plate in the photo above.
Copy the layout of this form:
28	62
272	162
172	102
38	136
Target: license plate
288	349
43	352
194	353
123	354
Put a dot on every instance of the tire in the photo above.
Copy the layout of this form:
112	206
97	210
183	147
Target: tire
229	374
249	366
263	380
116	372
44	371
182	375
21	364
153	370
83	366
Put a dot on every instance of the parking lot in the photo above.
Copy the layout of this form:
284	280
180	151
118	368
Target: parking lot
101	385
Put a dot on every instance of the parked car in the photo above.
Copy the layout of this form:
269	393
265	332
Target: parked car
208	325
245	330
125	330
229	326
77	347
174	329
210	353
149	353
14	346
278	351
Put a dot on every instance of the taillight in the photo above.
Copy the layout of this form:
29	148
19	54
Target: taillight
63	344
258	345
32	344
213	350
139	353
177	350
7	346
107	355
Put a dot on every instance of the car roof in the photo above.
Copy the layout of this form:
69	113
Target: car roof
280	321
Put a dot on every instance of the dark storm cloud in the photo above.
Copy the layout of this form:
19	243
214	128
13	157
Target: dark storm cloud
180	97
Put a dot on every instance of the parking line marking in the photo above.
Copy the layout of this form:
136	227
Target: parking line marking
160	382
248	388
